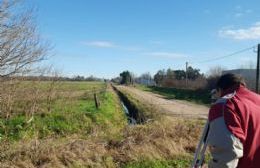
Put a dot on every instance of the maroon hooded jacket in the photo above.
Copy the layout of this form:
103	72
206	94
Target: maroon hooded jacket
240	112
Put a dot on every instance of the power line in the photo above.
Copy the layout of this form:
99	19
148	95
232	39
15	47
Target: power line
228	55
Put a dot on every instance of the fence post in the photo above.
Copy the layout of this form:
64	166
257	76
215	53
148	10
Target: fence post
97	104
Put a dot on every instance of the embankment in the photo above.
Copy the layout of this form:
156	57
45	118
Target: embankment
134	113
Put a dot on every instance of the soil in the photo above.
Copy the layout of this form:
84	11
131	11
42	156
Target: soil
168	106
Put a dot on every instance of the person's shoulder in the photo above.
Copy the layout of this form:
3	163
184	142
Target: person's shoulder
223	100
217	109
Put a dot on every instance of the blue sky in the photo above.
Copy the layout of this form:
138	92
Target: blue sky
105	37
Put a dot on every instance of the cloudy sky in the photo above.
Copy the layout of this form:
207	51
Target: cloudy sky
105	37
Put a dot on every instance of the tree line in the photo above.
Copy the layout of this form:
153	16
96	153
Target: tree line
193	78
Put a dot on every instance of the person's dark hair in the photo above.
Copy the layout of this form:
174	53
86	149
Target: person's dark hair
229	80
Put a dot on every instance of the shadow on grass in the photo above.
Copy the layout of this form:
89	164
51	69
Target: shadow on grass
197	96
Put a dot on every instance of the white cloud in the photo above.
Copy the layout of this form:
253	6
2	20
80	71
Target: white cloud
100	44
109	44
250	33
166	55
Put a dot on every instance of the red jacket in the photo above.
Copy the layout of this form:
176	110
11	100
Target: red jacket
241	114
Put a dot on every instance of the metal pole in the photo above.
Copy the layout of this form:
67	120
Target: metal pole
199	155
257	69
186	74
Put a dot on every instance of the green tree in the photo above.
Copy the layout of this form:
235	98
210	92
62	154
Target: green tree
193	73
126	78
159	76
170	74
180	74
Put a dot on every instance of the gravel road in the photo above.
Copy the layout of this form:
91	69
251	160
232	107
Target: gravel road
169	107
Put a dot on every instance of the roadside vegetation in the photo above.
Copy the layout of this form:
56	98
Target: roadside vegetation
190	85
162	141
200	96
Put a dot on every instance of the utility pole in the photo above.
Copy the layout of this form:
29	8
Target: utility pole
186	74
257	69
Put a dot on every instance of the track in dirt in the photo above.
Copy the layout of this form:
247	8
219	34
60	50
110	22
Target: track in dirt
169	107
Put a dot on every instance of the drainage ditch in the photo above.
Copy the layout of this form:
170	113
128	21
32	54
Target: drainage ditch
133	114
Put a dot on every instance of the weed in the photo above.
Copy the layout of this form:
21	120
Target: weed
197	96
176	163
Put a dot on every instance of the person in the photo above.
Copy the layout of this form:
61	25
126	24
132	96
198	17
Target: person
234	125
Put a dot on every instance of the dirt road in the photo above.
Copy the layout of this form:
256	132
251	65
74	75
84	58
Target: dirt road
168	107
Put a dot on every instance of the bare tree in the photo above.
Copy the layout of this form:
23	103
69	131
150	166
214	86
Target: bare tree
248	65
52	86
215	71
20	48
145	79
20	43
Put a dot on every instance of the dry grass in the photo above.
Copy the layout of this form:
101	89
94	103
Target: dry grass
168	138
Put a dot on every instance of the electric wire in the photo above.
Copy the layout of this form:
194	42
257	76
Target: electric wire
225	56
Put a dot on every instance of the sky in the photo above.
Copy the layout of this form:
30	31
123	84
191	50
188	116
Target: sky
105	37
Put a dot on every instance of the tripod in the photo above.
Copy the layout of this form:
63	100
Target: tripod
201	148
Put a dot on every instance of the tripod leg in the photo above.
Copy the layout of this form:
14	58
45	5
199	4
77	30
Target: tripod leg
201	148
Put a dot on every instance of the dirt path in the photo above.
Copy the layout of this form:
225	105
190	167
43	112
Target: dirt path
170	107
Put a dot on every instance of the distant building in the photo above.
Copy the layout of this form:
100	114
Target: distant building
248	74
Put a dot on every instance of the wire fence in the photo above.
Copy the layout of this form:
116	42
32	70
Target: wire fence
35	97
95	93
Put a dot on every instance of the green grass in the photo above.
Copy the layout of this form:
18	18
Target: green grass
76	116
178	163
197	96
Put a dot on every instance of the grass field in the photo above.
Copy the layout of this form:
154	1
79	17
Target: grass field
197	96
70	131
72	114
68	115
